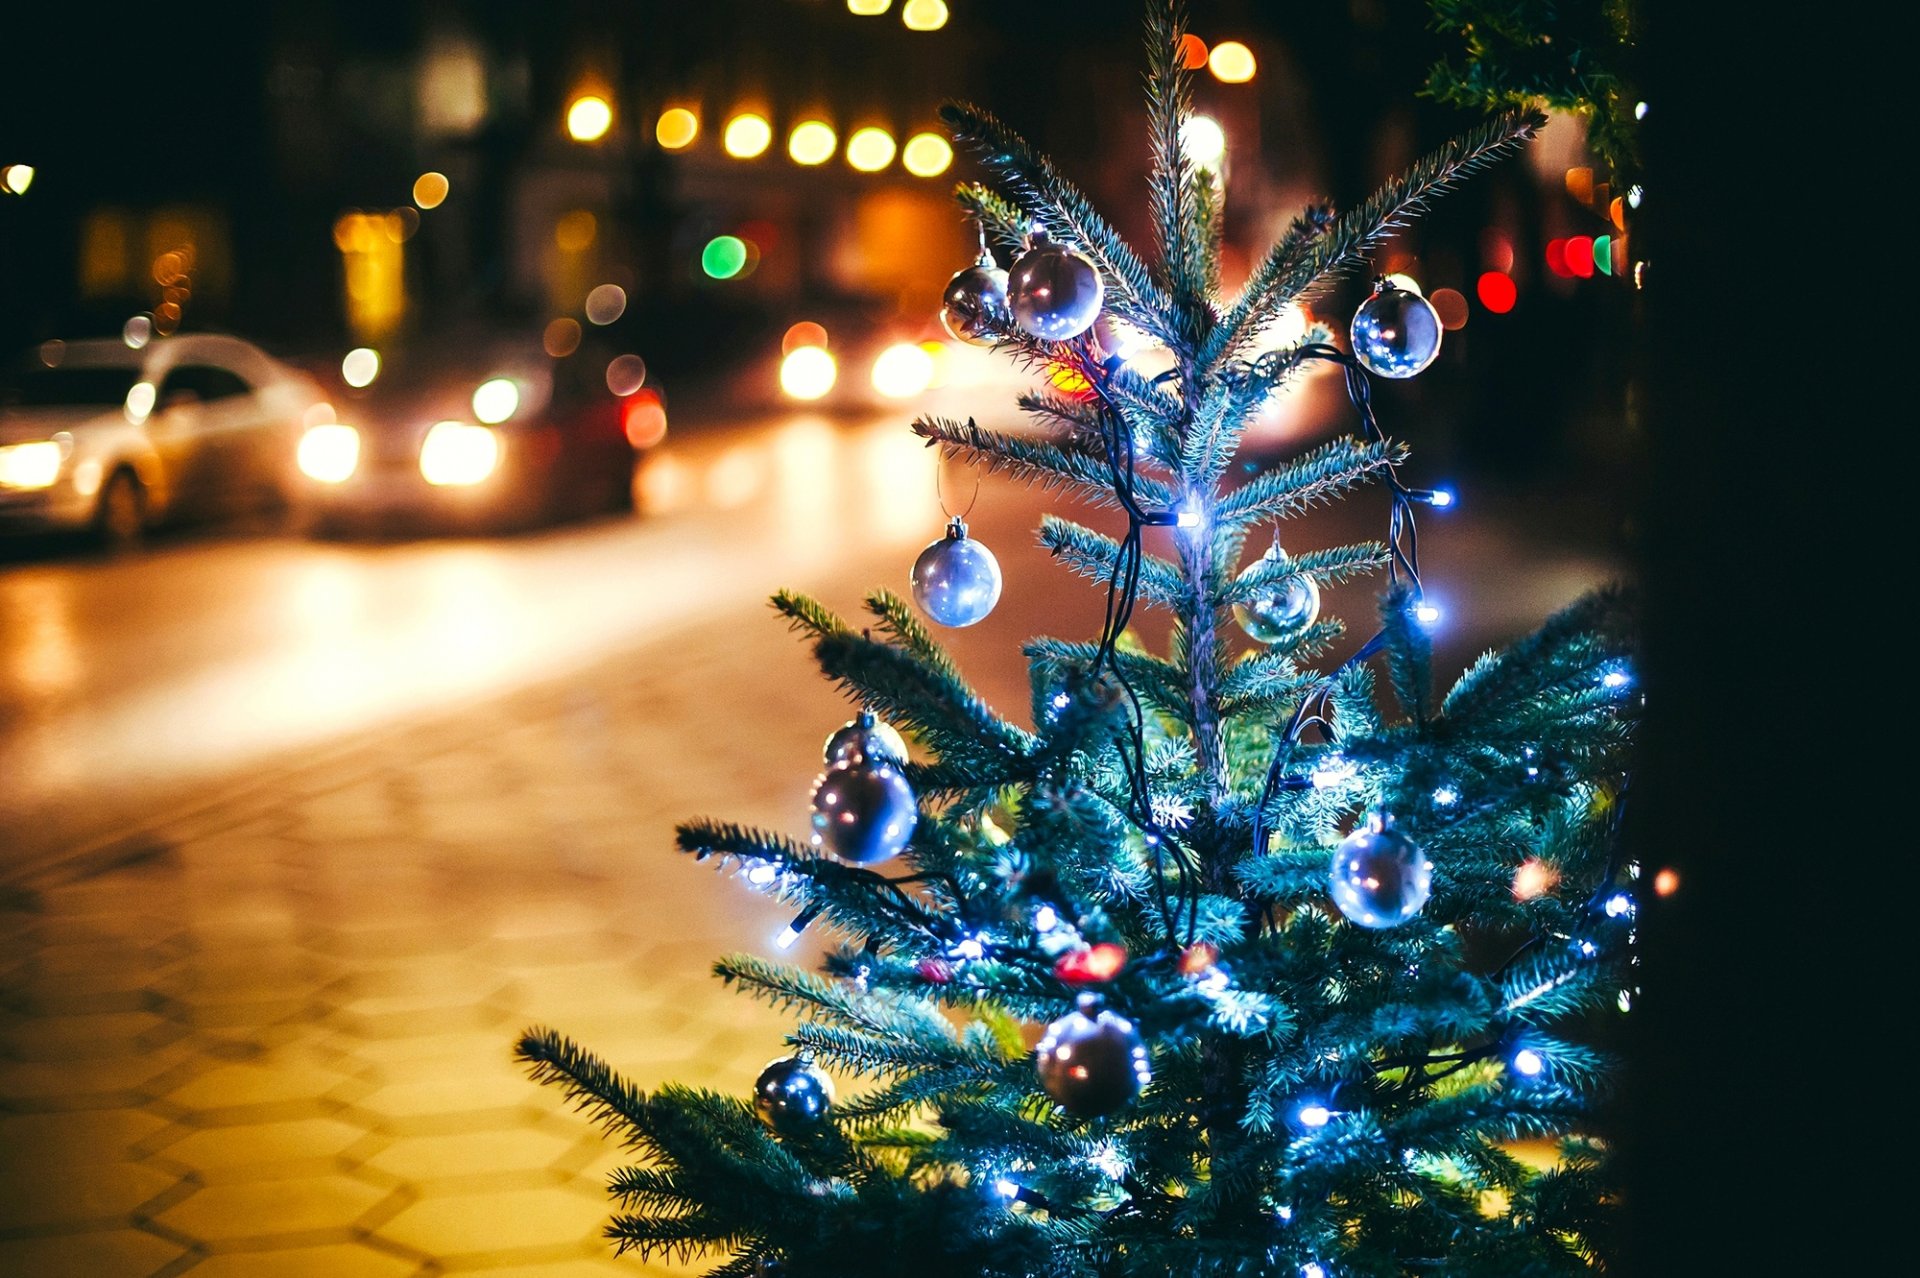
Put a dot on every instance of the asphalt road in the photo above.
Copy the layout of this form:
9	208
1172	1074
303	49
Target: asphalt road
131	688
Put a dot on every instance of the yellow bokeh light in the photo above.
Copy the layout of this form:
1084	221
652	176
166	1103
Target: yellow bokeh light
924	15
576	231
811	142
588	118
807	372
17	178
430	190
903	371
869	8
677	128
360	366
747	135
870	149
926	155
1232	62
1205	141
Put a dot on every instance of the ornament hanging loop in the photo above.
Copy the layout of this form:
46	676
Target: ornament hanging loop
939	491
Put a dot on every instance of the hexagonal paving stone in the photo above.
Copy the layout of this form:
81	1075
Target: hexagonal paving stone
341	1260
30	1144
501	1221
265	1209
263	1083
428	1158
111	1252
67	1038
71	1196
264	1150
451	1089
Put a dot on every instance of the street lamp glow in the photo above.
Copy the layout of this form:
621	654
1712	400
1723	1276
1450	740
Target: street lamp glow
926	155
1204	141
902	371
17	178
496	400
588	118
360	367
458	455
807	372
870	149
329	453
32	465
1231	62
747	136
676	128
811	142
924	15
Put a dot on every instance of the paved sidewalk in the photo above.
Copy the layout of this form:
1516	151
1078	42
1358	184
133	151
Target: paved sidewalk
274	1040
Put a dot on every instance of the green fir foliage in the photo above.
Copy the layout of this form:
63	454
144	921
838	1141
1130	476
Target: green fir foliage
1322	1094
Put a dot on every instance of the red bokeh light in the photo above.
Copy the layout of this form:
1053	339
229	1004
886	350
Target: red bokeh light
805	333
1451	306
644	417
1557	257
1193	52
1497	292
1579	253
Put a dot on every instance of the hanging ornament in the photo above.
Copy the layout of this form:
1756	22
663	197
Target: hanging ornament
792	1096
1199	958
956	580
1283	607
1092	1061
1054	292
1379	877
863	812
1396	332
974	307
863	738
934	971
1091	964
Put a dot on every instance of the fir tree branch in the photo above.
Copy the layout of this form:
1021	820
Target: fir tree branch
1046	197
807	616
947	715
1306	256
1093	555
1082	472
1311	480
1179	223
1328	566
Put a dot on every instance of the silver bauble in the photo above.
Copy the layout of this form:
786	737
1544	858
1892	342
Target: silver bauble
956	580
792	1096
1283	607
1396	332
866	737
1379	878
863	812
974	307
1054	293
1092	1061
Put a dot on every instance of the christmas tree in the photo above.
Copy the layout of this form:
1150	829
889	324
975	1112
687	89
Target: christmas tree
1219	967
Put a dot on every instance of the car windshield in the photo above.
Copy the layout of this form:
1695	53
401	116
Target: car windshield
81	386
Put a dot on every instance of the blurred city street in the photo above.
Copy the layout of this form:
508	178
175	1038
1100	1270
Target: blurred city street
292	861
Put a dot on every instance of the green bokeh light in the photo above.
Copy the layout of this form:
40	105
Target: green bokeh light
1603	253
724	256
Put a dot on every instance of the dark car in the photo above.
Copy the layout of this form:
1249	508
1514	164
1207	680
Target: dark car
475	434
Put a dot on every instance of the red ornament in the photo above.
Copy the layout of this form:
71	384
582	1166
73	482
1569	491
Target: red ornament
1198	959
937	971
1094	965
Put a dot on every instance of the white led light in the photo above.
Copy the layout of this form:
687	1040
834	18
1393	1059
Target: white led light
1527	1061
1615	679
1334	770
1426	614
1045	919
1187	519
1107	1161
1588	949
1061	700
1006	1188
762	873
1312	1269
788	935
968	948
1283	1214
1443	497
1446	796
1619	904
1314	1115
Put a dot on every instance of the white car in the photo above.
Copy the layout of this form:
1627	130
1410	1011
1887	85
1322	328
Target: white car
97	436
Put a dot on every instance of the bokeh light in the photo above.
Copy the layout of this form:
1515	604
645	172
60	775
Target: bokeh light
1580	184
1557	257
869	8
588	118
562	337
137	332
430	190
1666	882
902	371
807	372
140	401
1193	52
1603	254
870	149
724	256
747	136
926	155
677	128
1204	140
644	417
360	366
1534	877
812	142
457	454
576	231
1579	255
924	15
626	374
328	452
1496	250
1497	292
606	304
1232	62
1402	280
16	178
496	400
1450	304
805	333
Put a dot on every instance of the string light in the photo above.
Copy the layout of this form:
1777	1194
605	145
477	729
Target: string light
1314	1115
1529	1063
1446	796
1426	614
791	932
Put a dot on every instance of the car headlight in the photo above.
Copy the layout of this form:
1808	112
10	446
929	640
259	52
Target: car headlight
496	400
329	452
33	465
457	454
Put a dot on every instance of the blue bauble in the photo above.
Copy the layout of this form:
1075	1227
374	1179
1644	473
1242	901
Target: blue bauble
863	811
1379	878
1396	332
974	307
1092	1061
1055	293
792	1096
866	737
1282	608
956	580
